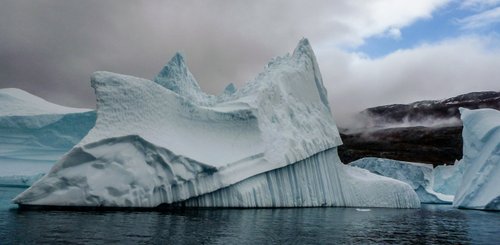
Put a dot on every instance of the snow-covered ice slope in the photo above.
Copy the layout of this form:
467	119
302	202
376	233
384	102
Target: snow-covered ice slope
480	186
35	133
418	175
17	102
165	141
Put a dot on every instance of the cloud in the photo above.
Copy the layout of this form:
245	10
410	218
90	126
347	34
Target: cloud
481	20
379	17
429	71
478	4
394	33
50	48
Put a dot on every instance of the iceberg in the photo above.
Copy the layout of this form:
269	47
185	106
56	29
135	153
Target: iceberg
420	176
35	133
479	188
271	143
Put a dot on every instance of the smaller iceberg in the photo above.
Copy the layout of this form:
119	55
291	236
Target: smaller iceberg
480	185
418	175
35	133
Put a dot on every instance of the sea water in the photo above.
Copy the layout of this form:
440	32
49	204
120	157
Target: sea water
432	224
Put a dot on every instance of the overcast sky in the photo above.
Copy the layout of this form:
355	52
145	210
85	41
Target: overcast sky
370	52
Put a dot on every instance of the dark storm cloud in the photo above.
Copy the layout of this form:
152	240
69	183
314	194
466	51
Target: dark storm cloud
50	48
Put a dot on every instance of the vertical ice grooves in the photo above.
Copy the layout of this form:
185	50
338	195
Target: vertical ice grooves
313	182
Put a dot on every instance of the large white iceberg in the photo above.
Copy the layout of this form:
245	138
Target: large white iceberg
480	185
272	143
35	133
418	175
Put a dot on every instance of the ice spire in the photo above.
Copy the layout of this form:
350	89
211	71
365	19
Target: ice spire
176	77
230	89
304	49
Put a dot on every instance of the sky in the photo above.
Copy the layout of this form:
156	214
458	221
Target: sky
370	52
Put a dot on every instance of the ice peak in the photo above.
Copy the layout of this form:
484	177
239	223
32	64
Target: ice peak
176	76
304	50
178	60
230	89
303	47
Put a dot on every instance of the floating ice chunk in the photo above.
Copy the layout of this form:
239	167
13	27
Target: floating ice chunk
479	188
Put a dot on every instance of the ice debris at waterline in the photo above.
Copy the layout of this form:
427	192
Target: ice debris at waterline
418	175
480	185
35	133
271	143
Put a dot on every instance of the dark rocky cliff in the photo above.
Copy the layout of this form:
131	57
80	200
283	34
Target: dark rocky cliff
413	144
395	131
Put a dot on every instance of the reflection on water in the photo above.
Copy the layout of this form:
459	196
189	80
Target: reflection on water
432	223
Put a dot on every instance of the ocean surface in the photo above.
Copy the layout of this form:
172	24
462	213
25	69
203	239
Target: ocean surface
432	224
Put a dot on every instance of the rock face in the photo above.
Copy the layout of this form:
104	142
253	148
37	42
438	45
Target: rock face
479	188
429	111
35	133
424	131
436	146
272	143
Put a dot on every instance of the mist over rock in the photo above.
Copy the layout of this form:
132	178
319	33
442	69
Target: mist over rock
427	113
413	144
423	131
